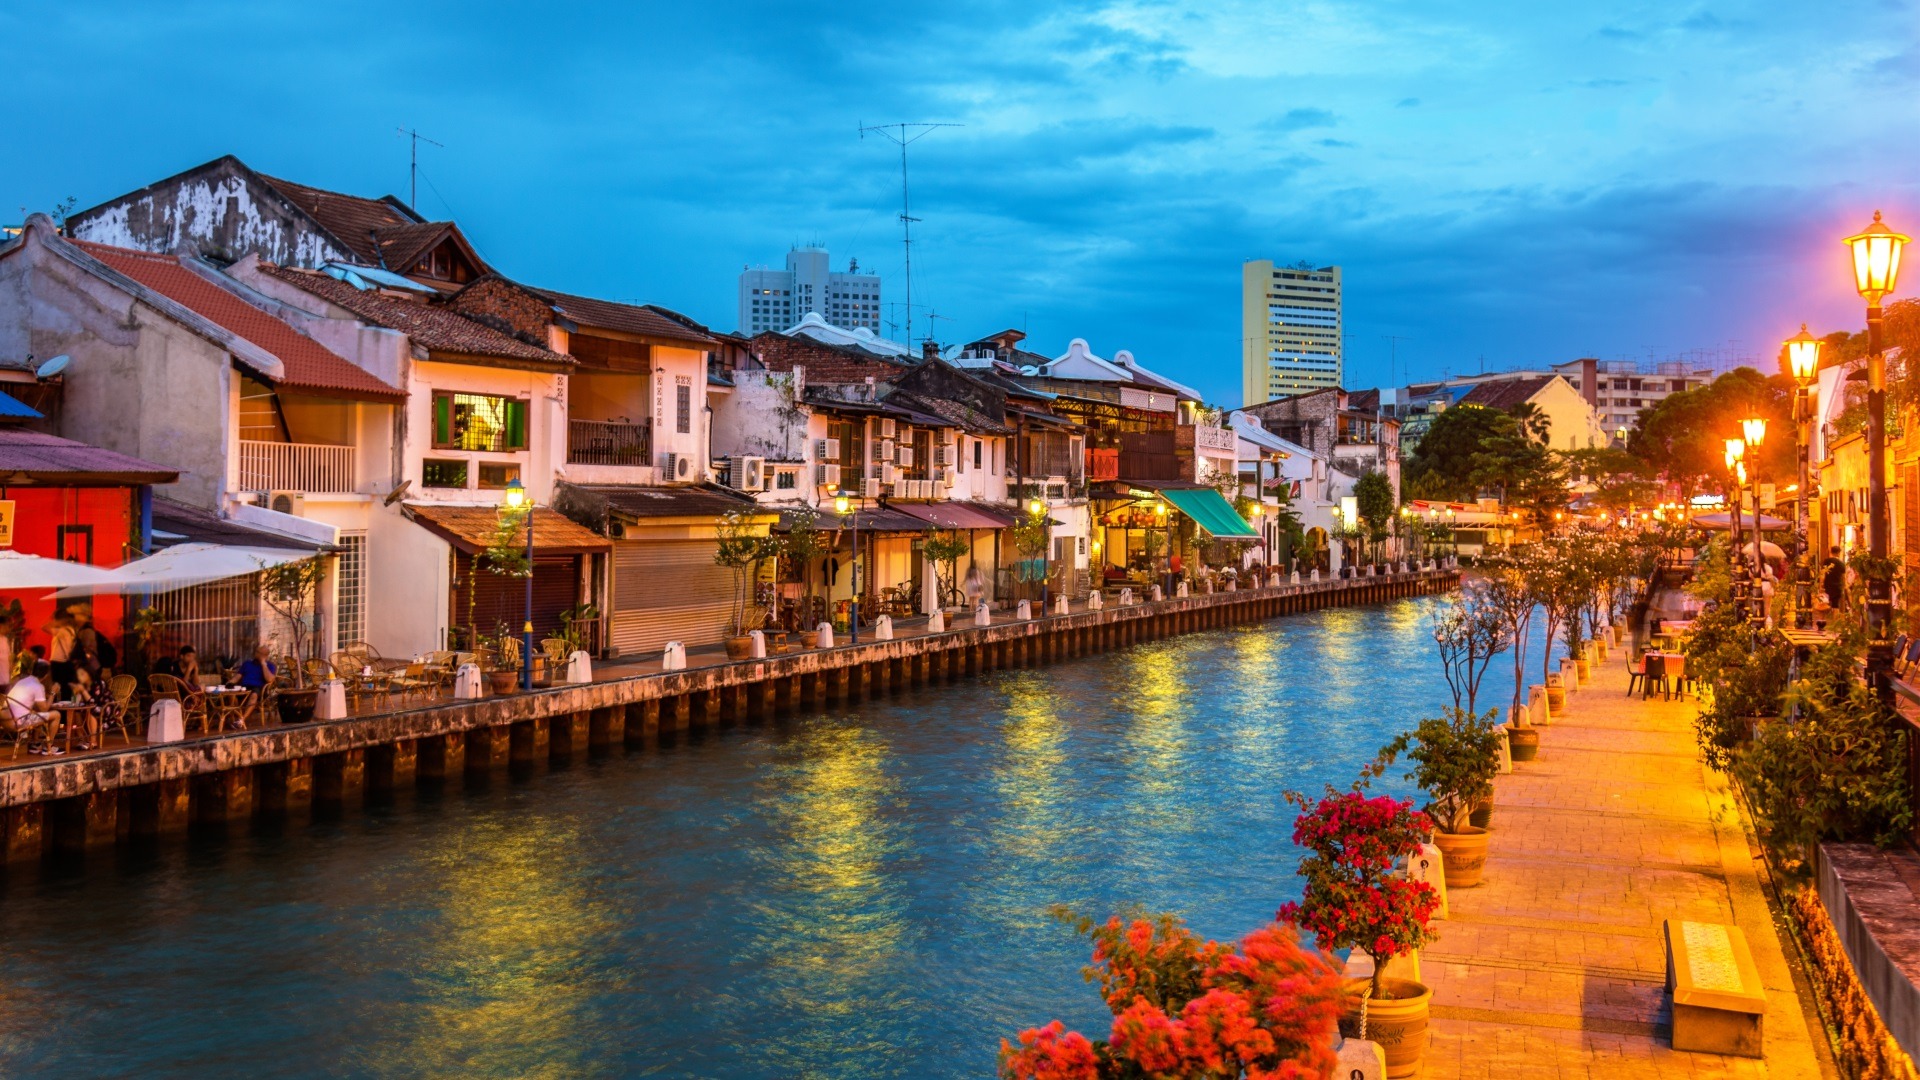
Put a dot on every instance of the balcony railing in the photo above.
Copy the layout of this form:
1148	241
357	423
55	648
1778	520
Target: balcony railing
311	468
606	442
1102	464
1204	438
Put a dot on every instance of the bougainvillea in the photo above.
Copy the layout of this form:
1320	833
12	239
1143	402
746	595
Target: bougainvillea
1354	894
1187	1008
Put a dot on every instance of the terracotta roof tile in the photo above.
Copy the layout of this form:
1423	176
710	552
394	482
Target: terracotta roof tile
1505	393
627	318
350	218
430	325
471	528
307	365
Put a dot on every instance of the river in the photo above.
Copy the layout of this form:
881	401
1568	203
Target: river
858	892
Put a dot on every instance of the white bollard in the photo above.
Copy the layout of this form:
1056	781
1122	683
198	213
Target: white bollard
673	657
1569	674
826	637
1506	753
1182	591
757	644
1538	712
937	622
1370	569
1233	585
982	616
1154	594
1314	576
1273	580
1517	717
883	628
164	723
1024	611
1359	1059
467	683
1294	578
1096	601
580	667
1428	866
1060	605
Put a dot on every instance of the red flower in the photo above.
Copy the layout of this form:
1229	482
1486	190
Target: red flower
1049	1053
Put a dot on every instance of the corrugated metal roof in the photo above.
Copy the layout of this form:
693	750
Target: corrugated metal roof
472	528
51	459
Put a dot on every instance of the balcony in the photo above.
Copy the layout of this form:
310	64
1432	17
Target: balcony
606	442
309	468
1102	464
1208	440
1151	456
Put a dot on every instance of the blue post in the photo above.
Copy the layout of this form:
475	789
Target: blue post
526	632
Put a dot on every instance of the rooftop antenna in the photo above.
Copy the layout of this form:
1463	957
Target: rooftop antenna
413	166
899	134
1393	346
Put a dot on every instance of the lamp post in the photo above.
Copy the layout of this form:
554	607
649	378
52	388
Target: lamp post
1160	511
1876	269
1755	429
516	500
1737	563
1803	358
1038	508
1453	538
843	505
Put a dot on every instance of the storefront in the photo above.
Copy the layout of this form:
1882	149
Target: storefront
1148	532
482	601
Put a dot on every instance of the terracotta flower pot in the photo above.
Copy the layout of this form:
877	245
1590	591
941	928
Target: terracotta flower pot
1583	670
1398	1022
1523	743
810	639
739	648
1556	694
1465	854
1482	816
503	681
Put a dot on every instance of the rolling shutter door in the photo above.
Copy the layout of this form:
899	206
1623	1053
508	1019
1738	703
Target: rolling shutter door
556	586
668	590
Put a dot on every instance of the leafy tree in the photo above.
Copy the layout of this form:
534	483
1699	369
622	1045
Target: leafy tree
1441	467
1373	497
944	548
1684	435
742	547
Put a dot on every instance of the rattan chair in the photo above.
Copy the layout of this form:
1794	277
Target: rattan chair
124	689
193	704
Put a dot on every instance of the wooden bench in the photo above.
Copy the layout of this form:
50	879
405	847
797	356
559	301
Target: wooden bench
1718	1001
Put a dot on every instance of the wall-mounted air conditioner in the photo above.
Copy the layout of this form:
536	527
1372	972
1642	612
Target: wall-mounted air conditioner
287	502
826	449
887	428
870	488
889	475
747	473
679	467
827	476
943	455
900	489
903	456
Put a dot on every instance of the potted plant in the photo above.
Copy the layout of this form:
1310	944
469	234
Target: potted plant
288	589
508	655
742	547
1455	758
1356	897
803	545
1523	739
943	549
1185	1008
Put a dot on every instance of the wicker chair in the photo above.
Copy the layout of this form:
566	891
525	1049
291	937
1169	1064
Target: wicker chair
124	689
557	649
193	704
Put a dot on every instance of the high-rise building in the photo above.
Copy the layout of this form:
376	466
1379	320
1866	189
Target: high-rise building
777	299
1289	329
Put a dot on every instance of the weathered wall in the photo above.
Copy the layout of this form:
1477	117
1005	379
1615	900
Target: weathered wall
216	211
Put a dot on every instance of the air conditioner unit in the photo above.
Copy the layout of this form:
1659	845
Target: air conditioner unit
943	455
747	473
889	475
887	428
943	477
926	488
827	475
826	449
886	450
900	489
287	502
679	467
870	488
904	456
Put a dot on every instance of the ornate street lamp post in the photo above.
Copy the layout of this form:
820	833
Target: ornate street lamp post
1803	358
1755	429
843	505
1737	563
1876	269
1038	508
516	499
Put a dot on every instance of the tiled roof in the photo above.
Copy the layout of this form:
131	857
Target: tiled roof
196	525
628	318
430	326
350	218
825	362
400	246
1505	393
306	364
49	458
471	528
1364	400
956	413
650	502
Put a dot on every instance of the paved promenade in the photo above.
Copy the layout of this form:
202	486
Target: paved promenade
1553	966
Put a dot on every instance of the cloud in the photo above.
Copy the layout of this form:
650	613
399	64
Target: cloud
1337	144
1299	120
1407	103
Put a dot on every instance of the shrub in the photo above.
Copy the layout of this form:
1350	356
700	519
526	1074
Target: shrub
1455	758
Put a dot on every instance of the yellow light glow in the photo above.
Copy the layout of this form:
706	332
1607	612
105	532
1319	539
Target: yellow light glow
1736	449
1876	259
842	505
1803	355
516	494
1755	429
1740	470
1036	508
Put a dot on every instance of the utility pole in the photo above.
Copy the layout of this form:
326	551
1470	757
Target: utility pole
413	166
898	133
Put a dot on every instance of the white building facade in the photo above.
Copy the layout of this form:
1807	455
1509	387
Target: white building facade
777	299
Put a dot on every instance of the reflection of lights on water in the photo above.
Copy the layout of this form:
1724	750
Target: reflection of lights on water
1029	771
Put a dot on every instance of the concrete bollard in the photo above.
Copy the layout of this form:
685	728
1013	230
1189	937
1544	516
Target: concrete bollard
757	644
883	628
1569	674
1060	605
826	636
1096	601
580	667
1182	591
1294	578
165	725
1359	1059
1273	580
937	622
674	657
1233	585
1427	865
1024	610
1126	596
1314	576
982	616
1506	753
1537	711
1154	594
1517	717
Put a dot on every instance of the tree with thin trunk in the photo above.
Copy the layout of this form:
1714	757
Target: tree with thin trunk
1470	632
1506	589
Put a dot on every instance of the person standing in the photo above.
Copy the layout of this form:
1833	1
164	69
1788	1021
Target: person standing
1833	578
61	636
976	587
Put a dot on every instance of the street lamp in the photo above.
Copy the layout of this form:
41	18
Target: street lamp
844	506
516	500
1876	269
1160	511
1755	429
1803	358
1736	472
1038	508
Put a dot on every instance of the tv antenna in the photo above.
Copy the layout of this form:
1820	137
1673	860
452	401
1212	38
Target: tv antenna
1393	346
413	166
901	135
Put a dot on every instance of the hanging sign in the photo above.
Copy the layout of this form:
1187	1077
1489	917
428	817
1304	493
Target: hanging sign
6	523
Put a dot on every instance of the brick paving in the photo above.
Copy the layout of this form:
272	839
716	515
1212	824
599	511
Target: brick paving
1553	966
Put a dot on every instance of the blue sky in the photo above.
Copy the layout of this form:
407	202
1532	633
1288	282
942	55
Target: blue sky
1505	183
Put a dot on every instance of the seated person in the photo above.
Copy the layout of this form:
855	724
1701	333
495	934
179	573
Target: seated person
258	671
26	703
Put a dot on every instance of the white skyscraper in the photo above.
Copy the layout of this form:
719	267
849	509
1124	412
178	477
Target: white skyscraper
777	299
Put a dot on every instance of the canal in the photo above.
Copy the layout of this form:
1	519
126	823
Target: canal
850	893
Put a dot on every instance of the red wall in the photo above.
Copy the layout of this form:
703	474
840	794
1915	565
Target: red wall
99	525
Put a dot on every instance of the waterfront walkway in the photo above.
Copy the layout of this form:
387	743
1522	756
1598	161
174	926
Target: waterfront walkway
1554	966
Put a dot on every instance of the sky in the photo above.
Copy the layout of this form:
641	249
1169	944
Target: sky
1505	184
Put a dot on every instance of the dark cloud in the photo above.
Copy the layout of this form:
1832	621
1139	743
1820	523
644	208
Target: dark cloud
1299	120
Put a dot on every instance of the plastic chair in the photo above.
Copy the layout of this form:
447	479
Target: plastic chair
1656	676
1636	674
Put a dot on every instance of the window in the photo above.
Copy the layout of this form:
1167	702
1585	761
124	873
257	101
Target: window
683	408
443	473
977	444
478	422
498	474
351	623
960	453
786	480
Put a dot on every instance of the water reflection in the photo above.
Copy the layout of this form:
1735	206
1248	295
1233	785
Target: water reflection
856	893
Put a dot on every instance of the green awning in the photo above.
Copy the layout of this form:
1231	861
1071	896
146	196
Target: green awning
1211	509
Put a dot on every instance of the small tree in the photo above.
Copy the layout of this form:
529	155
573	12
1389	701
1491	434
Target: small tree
1030	541
741	550
803	544
1470	632
1374	500
943	549
1455	758
289	589
1506	592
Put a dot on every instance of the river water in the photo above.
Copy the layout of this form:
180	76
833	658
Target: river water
859	892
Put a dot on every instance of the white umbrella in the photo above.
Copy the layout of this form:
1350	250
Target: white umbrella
183	565
19	571
1768	549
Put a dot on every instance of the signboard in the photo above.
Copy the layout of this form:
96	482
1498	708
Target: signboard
6	523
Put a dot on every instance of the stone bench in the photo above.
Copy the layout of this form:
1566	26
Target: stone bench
1718	1001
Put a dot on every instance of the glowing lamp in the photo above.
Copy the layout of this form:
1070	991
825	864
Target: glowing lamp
1803	356
1160	509
1736	449
1755	429
1036	508
1876	259
842	505
516	494
1740	470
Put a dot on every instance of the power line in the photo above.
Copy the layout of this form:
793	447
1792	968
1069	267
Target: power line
897	133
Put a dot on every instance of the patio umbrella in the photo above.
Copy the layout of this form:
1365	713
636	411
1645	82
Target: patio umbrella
1768	550
183	565
1723	520
19	571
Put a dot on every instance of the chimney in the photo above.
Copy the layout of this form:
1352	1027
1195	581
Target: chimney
1589	379
929	351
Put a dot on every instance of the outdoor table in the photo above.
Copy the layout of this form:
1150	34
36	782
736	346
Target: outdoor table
1807	639
229	703
71	711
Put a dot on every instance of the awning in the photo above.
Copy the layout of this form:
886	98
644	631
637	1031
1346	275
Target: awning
185	565
1212	511
955	515
1724	520
471	529
20	571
